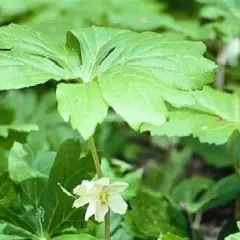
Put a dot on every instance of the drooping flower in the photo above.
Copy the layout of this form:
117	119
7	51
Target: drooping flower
100	195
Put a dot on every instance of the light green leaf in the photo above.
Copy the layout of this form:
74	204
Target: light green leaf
235	236
75	237
82	105
213	119
32	58
139	74
4	129
30	172
24	165
170	236
119	85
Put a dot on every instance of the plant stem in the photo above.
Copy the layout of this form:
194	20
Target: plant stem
107	227
92	148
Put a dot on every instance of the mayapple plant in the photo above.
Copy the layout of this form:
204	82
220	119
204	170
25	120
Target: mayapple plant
154	82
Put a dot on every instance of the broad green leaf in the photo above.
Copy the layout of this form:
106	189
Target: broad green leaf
75	237
151	214
213	119
82	105
68	170
187	190
159	67
218	194
170	236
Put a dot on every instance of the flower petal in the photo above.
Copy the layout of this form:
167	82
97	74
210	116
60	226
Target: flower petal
116	187
90	210
117	204
101	211
81	201
104	181
83	188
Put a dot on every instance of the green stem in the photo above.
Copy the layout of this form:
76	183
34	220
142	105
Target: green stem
107	227
93	149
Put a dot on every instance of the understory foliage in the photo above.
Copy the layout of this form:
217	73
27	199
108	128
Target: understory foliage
154	81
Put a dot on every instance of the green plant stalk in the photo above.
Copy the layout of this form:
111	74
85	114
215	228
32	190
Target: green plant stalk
93	149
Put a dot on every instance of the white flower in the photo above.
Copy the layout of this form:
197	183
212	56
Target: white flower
100	195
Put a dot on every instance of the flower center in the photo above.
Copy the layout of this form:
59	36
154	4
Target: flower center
103	197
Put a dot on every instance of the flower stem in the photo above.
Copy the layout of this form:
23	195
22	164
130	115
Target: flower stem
107	227
92	148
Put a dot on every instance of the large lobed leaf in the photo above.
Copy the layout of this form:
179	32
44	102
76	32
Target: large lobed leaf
137	75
